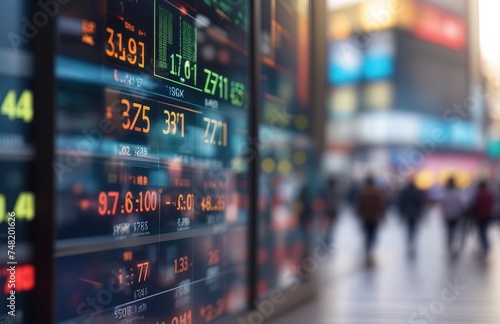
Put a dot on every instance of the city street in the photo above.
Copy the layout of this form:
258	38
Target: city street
432	288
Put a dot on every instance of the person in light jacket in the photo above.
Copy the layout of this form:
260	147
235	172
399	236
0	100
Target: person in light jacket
453	208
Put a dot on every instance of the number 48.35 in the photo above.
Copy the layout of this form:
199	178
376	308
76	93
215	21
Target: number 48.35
15	108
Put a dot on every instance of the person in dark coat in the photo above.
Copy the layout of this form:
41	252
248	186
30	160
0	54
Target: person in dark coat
411	205
331	200
482	210
305	212
370	209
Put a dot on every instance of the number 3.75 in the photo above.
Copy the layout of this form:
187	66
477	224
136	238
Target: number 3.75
130	124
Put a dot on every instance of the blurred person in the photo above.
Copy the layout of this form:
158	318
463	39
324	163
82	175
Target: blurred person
331	200
411	206
370	209
453	208
482	210
304	210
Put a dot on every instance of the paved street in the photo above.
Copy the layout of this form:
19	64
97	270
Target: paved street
432	288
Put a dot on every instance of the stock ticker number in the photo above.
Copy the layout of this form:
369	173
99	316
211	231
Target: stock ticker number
126	50
145	201
133	276
215	204
183	68
215	132
181	264
18	108
131	121
174	121
185	202
24	207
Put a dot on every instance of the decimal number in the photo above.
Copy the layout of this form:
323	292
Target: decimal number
183	223
215	132
145	201
183	68
213	204
18	108
181	265
174	122
126	50
130	118
125	150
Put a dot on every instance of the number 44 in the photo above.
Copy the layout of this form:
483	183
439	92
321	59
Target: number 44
18	109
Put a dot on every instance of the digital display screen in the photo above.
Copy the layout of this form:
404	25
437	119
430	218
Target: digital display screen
285	148
151	174
17	154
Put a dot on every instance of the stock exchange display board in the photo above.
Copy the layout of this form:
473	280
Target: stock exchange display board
17	154
150	167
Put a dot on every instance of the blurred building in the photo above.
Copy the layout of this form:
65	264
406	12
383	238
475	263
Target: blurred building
490	72
400	86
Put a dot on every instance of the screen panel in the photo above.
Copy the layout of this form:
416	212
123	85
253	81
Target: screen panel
17	155
285	145
150	169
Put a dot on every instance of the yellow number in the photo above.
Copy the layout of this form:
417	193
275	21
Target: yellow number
141	63
173	123
24	109
173	119
20	109
182	124
146	118
126	114
111	50
25	206
212	139
139	107
3	209
9	105
167	121
205	136
132	50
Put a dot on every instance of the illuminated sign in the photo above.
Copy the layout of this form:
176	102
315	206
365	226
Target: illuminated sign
440	28
345	62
